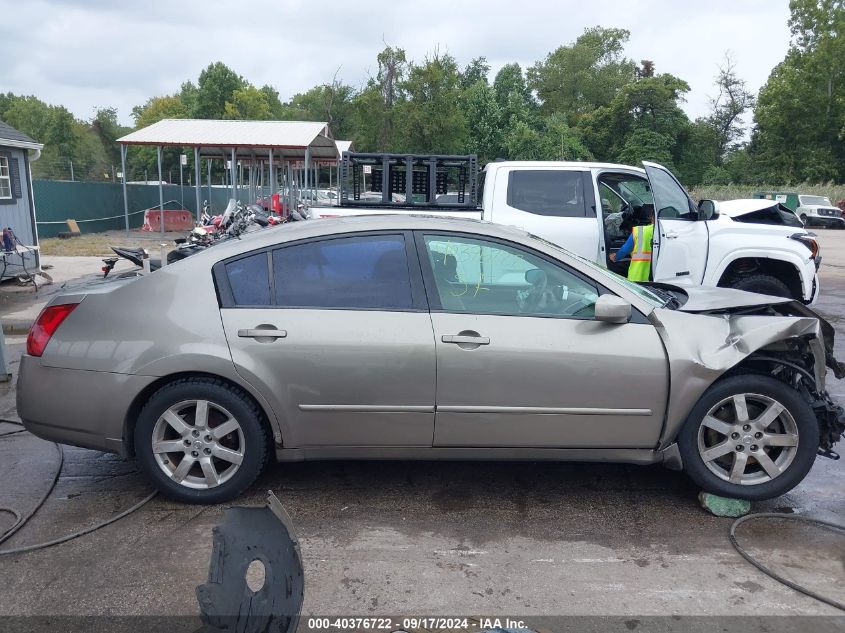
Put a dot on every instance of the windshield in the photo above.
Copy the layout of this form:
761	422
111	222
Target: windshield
815	201
641	291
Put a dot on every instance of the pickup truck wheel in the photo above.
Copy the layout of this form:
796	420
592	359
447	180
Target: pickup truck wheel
201	440
749	437
804	218
763	284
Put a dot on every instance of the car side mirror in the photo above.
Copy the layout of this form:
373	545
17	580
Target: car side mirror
707	210
612	309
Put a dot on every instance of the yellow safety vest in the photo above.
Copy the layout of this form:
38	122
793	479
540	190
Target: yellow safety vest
640	265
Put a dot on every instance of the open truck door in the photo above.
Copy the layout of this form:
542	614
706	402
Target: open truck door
681	240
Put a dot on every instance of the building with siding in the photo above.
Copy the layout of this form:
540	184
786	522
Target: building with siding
17	206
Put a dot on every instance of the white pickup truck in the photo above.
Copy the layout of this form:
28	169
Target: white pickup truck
589	209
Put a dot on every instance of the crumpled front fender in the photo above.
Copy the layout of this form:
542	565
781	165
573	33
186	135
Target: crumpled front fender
700	348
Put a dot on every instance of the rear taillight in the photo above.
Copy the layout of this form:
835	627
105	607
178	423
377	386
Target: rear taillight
45	326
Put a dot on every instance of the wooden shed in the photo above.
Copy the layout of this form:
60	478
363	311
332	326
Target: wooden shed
17	207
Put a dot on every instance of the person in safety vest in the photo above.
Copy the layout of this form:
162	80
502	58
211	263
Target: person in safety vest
638	245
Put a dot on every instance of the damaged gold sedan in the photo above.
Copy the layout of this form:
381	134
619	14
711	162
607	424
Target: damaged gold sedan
407	337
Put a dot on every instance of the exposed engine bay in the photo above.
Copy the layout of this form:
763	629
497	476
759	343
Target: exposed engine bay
796	351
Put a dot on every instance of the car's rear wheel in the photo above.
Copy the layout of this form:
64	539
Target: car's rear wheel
201	440
749	437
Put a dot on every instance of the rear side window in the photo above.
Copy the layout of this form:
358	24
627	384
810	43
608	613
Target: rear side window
369	272
249	280
548	192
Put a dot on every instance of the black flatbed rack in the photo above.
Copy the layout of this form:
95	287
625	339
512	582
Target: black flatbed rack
412	180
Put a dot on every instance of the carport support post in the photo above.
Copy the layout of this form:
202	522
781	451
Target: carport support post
208	177
234	176
305	174
125	197
272	177
290	188
198	179
160	192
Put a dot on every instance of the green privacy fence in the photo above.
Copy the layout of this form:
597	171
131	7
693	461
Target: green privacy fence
99	206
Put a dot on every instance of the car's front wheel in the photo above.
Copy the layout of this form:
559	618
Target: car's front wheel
750	437
201	440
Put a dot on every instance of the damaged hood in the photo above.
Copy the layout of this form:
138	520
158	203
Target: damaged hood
738	208
709	299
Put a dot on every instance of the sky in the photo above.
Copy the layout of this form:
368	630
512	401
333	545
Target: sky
86	54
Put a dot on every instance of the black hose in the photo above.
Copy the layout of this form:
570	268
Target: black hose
21	521
773	574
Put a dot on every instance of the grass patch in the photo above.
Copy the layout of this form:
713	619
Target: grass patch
99	244
736	192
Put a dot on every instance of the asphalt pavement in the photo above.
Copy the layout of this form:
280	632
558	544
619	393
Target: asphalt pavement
433	538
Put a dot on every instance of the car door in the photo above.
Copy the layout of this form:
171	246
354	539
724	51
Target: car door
681	240
335	332
555	203
520	360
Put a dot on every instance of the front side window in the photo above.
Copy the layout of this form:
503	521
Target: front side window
547	192
361	272
483	277
5	179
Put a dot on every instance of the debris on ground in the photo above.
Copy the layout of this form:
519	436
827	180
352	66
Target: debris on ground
723	506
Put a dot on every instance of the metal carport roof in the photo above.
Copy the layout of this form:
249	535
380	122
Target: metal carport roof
288	139
293	144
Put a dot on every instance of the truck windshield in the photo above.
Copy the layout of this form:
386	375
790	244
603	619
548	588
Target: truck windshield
815	201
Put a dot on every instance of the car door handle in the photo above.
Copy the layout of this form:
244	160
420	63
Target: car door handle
465	340
262	333
670	235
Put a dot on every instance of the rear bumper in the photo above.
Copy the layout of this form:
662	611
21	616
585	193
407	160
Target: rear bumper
77	407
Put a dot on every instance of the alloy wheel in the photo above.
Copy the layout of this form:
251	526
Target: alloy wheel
748	439
198	444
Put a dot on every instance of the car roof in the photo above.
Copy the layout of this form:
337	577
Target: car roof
350	224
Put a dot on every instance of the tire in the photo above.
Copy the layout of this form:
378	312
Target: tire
804	218
211	472
763	284
701	444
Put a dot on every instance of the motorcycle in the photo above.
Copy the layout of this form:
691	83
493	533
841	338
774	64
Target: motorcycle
236	220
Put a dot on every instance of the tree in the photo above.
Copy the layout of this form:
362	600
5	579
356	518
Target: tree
645	117
587	74
373	108
431	117
645	144
158	108
511	81
800	110
215	87
477	70
482	115
248	104
105	127
728	106
331	103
